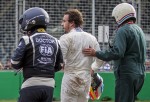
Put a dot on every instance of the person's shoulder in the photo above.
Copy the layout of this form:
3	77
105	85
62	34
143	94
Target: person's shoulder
90	35
127	26
122	31
87	33
51	36
125	29
65	36
137	26
25	38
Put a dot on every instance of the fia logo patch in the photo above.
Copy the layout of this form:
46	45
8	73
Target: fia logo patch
46	49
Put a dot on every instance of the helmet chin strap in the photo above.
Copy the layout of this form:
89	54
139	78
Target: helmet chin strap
41	30
28	33
24	32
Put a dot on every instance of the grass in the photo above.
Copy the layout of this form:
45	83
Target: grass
59	101
8	100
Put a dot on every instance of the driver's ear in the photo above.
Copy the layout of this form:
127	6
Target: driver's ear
72	24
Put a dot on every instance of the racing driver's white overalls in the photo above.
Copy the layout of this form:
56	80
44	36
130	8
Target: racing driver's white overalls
77	78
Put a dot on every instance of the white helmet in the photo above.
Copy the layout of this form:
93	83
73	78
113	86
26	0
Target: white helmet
122	12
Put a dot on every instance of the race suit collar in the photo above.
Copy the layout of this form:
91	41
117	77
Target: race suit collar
78	29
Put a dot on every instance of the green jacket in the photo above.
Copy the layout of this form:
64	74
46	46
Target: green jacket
128	51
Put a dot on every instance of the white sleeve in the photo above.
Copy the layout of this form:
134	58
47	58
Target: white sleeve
64	44
97	62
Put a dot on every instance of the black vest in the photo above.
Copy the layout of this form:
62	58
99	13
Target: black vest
40	56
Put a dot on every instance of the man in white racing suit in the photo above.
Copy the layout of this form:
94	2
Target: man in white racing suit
78	67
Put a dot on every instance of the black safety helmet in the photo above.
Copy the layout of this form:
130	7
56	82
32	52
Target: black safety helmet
33	18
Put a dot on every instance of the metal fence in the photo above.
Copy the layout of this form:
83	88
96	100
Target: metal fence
95	12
